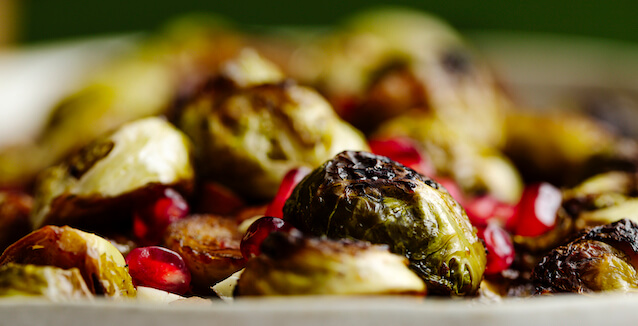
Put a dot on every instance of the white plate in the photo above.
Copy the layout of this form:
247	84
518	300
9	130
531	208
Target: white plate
558	310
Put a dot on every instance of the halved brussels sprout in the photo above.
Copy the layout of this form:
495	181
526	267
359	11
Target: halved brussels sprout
476	167
247	138
209	245
105	176
382	63
52	283
293	265
100	263
363	196
599	259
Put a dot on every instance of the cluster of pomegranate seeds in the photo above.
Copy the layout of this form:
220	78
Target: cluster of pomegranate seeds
151	220
537	209
500	250
258	231
482	210
404	151
288	184
158	268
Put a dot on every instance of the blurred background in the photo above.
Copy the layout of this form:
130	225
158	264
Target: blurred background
31	21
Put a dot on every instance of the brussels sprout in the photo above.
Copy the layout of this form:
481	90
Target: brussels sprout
248	138
293	265
599	259
363	196
210	247
603	199
383	63
475	167
53	283
564	147
100	263
105	175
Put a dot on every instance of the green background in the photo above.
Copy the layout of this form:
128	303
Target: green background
61	19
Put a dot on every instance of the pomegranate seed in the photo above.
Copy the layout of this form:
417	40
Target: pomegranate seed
219	200
290	181
158	268
453	188
500	250
485	209
404	151
536	211
151	220
346	107
258	231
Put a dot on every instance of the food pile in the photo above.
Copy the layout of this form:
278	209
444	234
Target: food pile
381	157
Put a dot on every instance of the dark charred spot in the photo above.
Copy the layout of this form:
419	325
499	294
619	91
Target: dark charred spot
358	171
456	61
82	161
623	232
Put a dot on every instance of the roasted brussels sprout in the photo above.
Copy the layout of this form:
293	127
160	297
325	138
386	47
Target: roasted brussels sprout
603	199
601	258
383	63
210	247
247	138
564	147
106	175
476	167
52	283
100	263
293	265
368	197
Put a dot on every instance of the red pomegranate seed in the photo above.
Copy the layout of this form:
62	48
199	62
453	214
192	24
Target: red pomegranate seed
151	220
290	181
485	209
500	250
404	151
346	107
453	188
219	200
536	211
158	268
258	231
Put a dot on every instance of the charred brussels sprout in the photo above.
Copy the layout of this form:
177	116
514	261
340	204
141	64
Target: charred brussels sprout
363	196
293	265
105	176
99	262
601	258
251	127
52	283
